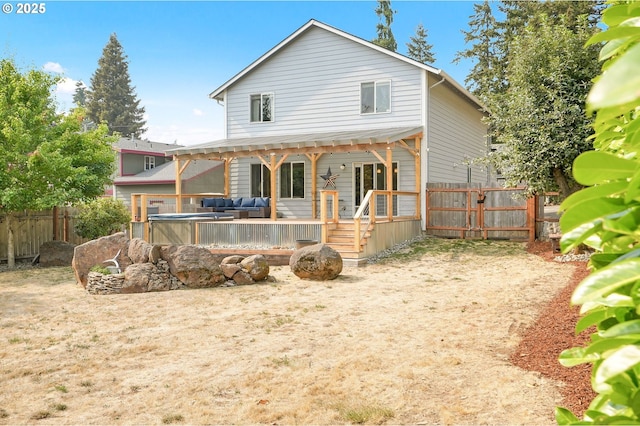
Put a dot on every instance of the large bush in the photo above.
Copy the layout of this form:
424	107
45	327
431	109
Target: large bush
100	217
606	216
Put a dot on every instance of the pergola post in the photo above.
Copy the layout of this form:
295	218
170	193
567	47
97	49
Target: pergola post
273	187
390	183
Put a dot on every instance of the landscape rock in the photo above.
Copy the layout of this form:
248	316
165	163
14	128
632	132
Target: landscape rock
256	266
95	252
194	266
317	262
242	277
98	283
141	251
236	258
56	253
229	269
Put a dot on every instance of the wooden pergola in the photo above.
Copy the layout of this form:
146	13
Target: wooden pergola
273	151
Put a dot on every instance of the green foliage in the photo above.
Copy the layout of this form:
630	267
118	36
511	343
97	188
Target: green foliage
483	36
100	269
418	48
111	98
606	216
47	161
540	118
385	35
100	217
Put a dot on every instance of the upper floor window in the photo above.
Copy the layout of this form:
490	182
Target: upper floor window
261	108
292	180
149	162
375	97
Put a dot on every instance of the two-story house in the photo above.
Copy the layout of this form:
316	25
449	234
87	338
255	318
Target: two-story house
326	111
142	166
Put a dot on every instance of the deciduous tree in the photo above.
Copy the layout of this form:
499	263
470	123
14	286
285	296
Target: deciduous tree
540	118
45	160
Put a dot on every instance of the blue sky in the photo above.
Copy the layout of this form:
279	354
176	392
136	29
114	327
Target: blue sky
179	52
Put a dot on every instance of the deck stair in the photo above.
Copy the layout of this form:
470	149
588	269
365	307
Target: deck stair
341	238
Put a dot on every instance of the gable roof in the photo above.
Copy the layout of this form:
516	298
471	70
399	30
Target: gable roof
139	145
166	173
217	94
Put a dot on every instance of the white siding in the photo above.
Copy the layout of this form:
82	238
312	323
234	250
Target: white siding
301	208
456	135
316	85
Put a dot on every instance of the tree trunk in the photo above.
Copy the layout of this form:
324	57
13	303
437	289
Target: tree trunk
563	183
11	258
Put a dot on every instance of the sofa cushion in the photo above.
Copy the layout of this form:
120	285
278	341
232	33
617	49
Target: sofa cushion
261	202
228	202
248	202
237	202
248	209
219	202
208	202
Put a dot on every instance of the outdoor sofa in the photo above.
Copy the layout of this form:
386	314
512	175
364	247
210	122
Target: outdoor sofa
256	206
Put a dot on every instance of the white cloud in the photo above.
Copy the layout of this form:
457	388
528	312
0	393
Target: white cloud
198	112
66	86
53	67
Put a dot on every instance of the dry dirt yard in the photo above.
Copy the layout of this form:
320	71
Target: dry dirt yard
422	337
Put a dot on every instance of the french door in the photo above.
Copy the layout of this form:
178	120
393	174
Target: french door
368	176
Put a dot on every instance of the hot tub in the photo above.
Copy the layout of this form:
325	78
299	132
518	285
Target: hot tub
180	228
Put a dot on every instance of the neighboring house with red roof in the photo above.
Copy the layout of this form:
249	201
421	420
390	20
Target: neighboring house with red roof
143	167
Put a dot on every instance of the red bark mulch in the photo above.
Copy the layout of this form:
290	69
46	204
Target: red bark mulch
553	332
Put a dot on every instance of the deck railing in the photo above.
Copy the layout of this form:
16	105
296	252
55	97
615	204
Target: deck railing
327	216
385	205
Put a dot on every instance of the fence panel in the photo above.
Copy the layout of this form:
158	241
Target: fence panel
471	211
31	229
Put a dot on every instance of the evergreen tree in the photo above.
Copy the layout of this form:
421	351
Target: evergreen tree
111	98
419	49
385	35
80	95
486	76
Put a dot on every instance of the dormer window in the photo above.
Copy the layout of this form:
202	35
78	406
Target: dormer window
149	162
375	97
261	108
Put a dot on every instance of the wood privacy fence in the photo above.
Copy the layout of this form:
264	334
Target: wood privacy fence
31	229
471	211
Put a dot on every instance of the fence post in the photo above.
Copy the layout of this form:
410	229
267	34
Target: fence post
55	223
531	218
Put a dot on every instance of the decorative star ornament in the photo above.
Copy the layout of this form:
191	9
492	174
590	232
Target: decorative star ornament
329	178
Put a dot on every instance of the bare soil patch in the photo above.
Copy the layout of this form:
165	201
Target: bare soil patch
427	336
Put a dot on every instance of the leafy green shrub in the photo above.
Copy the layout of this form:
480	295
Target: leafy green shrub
100	269
100	217
606	216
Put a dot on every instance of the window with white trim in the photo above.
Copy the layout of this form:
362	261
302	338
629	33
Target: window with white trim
292	180
375	97
261	106
149	162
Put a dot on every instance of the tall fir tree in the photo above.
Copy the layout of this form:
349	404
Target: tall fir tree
80	95
385	35
486	75
418	48
111	98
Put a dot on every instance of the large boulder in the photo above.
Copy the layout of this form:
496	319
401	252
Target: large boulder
96	252
56	253
141	251
194	266
256	266
317	262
